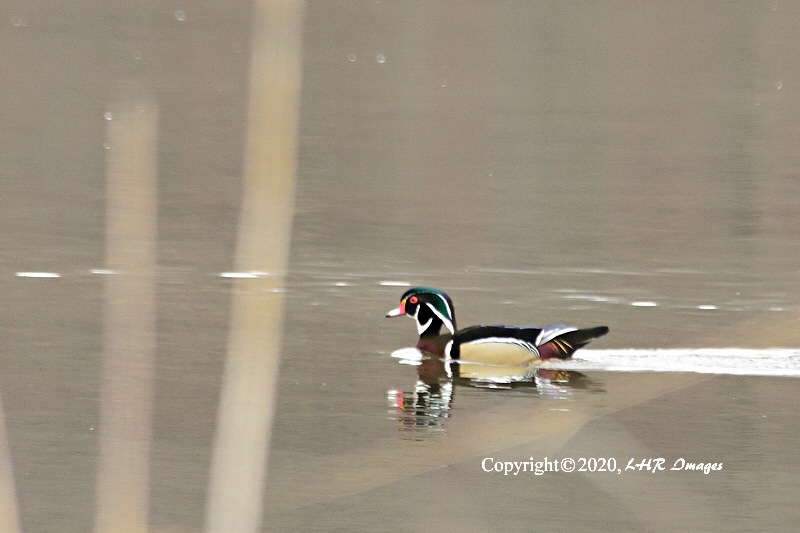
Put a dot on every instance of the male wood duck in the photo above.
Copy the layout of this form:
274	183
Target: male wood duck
432	309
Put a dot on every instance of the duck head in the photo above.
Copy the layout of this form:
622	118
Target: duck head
430	308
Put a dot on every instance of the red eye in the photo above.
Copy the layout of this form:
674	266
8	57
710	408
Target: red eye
413	300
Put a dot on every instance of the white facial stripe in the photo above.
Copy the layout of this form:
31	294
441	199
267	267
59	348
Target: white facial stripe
446	321
446	304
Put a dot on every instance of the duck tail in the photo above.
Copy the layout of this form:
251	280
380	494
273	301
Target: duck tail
564	345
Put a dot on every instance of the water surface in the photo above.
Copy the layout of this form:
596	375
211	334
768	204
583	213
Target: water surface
623	164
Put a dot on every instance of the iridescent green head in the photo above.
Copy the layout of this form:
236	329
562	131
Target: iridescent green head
430	308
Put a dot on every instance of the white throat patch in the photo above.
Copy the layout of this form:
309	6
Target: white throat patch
421	327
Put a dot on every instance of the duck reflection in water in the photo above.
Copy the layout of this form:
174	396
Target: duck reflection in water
493	356
428	405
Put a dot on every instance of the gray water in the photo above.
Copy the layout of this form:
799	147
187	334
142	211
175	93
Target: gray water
622	164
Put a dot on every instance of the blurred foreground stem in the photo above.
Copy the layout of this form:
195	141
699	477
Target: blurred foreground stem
249	387
123	478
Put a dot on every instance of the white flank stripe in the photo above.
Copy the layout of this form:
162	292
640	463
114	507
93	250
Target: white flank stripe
37	274
503	340
733	361
448	348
